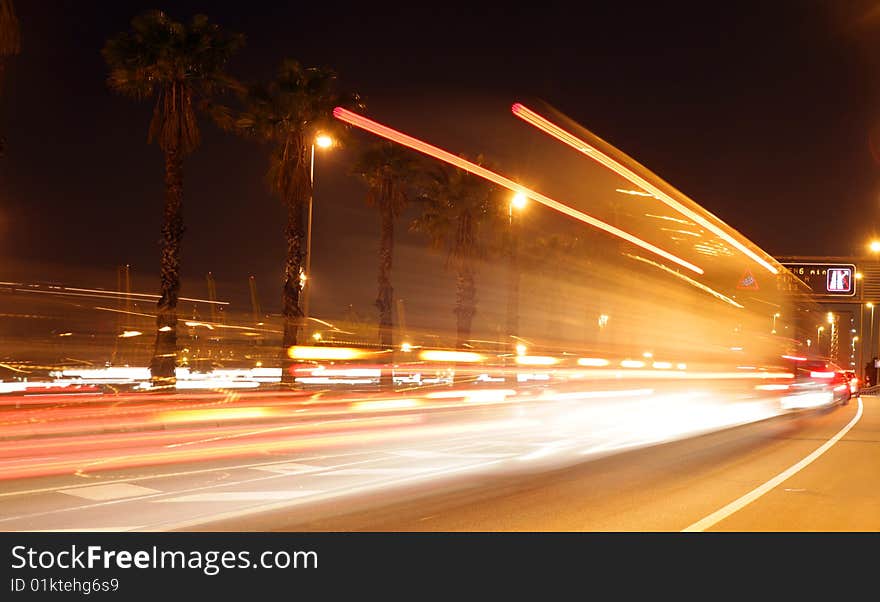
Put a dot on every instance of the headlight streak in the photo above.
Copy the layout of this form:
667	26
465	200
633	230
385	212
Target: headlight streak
583	147
689	280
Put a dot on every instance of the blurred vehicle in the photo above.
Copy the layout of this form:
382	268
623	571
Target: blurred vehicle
816	383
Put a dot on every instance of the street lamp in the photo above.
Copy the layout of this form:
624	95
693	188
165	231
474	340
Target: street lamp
773	328
517	203
321	141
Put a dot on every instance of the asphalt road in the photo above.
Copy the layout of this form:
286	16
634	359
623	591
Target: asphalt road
672	487
483	471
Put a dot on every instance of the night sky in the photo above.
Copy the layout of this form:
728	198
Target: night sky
762	112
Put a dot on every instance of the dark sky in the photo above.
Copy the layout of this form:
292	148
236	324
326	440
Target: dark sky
759	111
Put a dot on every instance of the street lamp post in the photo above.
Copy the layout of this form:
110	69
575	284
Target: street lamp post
517	203
870	346
322	141
819	330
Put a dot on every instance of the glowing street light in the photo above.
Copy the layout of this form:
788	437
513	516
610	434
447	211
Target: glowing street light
323	141
874	246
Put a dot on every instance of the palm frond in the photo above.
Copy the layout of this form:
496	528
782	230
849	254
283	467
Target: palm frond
182	65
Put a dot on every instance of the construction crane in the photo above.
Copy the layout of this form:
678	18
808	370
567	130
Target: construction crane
401	320
212	296
123	285
255	301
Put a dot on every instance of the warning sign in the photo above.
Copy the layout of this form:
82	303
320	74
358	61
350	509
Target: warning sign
748	282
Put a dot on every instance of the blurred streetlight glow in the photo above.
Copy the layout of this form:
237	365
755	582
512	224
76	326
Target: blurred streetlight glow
323	140
519	200
874	246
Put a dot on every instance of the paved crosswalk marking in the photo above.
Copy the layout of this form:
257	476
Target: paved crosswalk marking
111	491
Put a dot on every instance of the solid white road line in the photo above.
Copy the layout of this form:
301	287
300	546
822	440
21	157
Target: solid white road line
738	504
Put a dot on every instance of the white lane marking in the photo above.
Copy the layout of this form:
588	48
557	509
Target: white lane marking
112	491
236	436
224	468
380	457
184	473
166	493
220	516
241	496
738	504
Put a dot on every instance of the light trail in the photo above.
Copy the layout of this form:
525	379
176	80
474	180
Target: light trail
583	147
423	147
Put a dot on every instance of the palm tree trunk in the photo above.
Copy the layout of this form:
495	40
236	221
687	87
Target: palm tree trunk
465	303
385	299
164	361
292	313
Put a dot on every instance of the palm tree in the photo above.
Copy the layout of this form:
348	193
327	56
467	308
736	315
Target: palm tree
182	66
460	210
386	168
288	113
